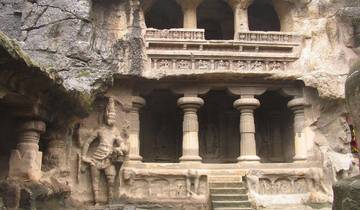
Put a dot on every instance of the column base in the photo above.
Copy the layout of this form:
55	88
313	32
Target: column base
194	158
26	165
300	159
248	158
136	158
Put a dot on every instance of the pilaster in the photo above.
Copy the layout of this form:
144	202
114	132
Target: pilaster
297	105
134	136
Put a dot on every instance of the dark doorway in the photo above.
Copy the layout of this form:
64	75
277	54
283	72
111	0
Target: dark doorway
217	18
263	17
219	129
164	14
8	139
274	128
161	128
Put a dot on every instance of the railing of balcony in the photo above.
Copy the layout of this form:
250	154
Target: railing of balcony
251	51
268	37
177	34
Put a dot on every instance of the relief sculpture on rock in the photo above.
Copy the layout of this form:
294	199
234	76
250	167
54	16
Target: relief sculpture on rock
106	153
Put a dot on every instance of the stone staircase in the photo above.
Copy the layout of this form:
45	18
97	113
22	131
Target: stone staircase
229	193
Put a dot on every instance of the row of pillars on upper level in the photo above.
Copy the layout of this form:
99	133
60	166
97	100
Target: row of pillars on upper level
189	8
246	104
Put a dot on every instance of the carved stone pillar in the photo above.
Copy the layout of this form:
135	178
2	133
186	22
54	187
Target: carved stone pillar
241	22
297	105
246	105
190	105
25	160
55	155
134	139
189	11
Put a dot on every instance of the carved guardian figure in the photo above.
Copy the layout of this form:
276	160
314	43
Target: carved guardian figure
111	145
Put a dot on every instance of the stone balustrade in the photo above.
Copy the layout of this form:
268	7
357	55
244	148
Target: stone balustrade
176	34
268	37
186	51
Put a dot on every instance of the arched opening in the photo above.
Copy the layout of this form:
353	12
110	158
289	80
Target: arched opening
219	128
217	18
161	128
263	16
164	14
274	128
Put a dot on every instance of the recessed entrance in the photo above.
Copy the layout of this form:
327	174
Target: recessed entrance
219	128
263	17
164	14
274	128
161	128
216	17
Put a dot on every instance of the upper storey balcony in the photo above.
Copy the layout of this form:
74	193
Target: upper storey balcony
214	35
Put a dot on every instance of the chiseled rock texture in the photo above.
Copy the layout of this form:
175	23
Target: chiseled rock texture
84	42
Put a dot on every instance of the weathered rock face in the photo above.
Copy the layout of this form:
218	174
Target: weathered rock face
10	17
346	192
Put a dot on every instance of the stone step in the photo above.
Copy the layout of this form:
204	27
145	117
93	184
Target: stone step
236	204
227	184
228	190
229	197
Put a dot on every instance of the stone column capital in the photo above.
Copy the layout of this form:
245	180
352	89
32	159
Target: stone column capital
189	4
190	102
242	4
296	104
246	103
138	102
38	126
